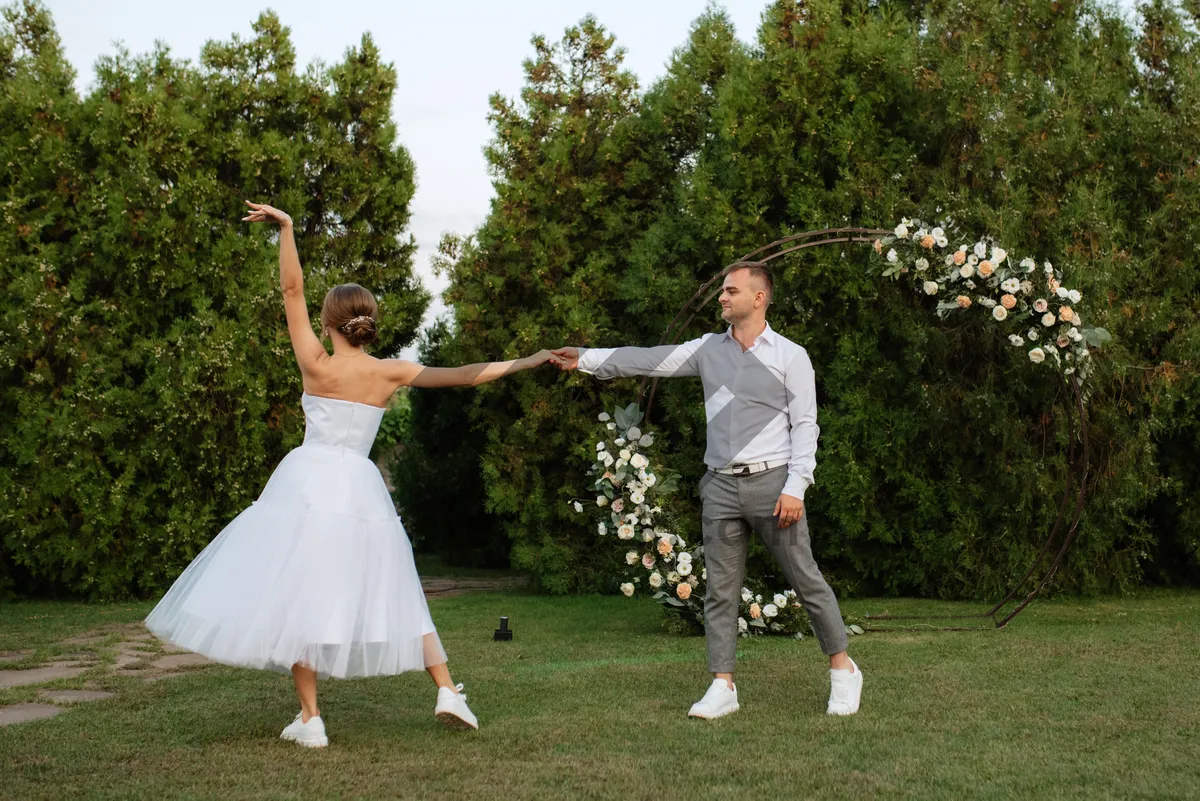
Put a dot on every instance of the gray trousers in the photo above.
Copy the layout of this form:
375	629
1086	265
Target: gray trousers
733	507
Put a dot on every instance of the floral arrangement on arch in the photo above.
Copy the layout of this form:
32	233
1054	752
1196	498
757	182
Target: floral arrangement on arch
631	521
1037	310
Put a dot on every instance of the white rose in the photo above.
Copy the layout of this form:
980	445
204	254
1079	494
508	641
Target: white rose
603	417
639	461
631	519
1075	296
611	426
673	577
599	446
930	287
1048	267
746	595
607	459
601	500
980	249
637	497
1011	285
648	561
940	241
999	255
1016	340
1000	313
770	610
743	626
631	557
1032	334
1029	264
684	568
780	600
1062	292
1047	319
625	454
633	433
650	480
938	233
1037	355
601	529
578	507
967	271
972	260
987	303
1074	334
656	580
891	256
647	535
625	532
922	265
627	589
901	230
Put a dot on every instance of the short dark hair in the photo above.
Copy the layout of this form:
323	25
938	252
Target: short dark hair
757	269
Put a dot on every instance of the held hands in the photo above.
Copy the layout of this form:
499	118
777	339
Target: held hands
261	212
789	510
567	358
540	358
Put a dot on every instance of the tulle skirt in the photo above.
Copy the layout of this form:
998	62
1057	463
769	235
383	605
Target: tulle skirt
318	571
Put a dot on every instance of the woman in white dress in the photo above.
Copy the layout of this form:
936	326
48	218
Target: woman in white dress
317	577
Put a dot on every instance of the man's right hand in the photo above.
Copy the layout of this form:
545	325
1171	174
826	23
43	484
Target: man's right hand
568	358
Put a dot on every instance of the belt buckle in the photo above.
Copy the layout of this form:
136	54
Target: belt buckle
743	470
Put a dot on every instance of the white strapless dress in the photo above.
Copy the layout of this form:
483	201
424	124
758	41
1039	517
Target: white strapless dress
319	570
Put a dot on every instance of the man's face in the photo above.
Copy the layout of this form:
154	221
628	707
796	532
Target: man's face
739	296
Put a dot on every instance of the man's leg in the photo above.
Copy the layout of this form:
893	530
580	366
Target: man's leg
726	541
793	550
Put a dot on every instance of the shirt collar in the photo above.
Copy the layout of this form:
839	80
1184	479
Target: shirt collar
768	336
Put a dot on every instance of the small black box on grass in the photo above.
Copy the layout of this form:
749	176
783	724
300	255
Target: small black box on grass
503	633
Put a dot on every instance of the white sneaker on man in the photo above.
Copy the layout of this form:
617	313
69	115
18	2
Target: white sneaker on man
311	734
720	700
452	709
845	690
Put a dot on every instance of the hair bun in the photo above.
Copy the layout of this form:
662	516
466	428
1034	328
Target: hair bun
360	330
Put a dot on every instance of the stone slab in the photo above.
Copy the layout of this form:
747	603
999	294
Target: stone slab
13	656
73	696
23	713
181	660
19	678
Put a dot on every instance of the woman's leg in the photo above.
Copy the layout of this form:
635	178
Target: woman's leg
435	662
305	680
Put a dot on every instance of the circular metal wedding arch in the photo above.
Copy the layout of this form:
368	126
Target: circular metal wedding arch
1070	507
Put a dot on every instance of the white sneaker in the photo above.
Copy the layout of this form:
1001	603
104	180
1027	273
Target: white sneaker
717	702
311	734
452	709
845	690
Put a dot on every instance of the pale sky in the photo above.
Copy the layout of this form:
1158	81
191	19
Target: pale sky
449	57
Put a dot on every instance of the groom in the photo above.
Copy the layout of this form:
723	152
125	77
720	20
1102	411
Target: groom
760	399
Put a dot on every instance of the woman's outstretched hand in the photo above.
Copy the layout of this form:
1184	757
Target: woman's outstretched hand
261	212
541	357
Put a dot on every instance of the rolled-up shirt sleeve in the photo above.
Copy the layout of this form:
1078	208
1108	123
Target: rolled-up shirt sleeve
801	384
662	361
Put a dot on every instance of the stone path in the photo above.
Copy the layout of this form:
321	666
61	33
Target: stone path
139	654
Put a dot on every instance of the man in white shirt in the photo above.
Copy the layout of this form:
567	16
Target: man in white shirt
760	400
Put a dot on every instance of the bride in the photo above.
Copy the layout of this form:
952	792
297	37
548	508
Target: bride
317	577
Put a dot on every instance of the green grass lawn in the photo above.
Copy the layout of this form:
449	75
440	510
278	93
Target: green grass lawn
1077	699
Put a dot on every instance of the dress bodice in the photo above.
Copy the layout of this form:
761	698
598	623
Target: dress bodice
342	424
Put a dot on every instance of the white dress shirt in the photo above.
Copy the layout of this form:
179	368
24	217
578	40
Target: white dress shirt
761	403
